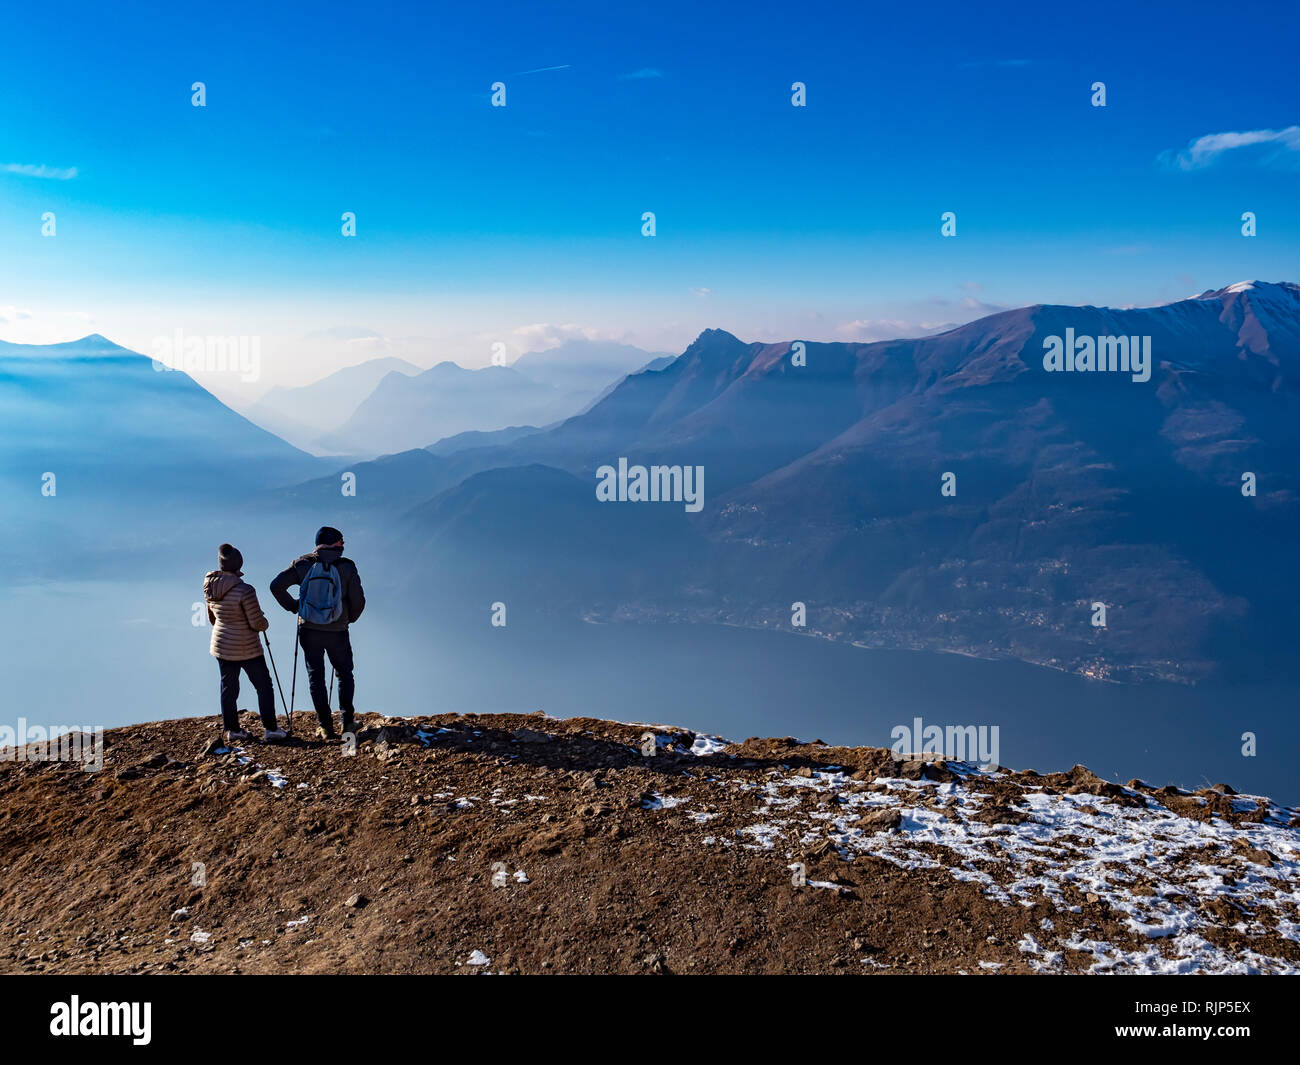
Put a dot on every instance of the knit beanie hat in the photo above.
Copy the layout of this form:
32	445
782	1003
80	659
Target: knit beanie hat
229	560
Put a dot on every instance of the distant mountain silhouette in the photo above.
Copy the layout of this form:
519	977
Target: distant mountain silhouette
110	425
583	371
540	388
301	415
409	412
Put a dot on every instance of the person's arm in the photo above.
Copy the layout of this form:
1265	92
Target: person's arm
280	589
253	611
356	597
212	618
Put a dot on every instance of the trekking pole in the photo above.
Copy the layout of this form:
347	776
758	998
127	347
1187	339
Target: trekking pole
331	700
278	686
293	688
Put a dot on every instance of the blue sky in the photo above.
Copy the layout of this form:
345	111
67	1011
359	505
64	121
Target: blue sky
522	224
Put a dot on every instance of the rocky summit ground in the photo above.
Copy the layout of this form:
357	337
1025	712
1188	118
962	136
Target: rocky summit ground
513	844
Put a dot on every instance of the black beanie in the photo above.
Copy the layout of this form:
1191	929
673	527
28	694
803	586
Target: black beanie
229	559
327	535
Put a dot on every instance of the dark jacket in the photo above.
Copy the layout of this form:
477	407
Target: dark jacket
354	599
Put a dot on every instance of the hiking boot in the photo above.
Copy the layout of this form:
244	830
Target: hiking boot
326	732
274	735
349	724
238	736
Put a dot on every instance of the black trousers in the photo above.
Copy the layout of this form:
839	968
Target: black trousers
261	678
316	644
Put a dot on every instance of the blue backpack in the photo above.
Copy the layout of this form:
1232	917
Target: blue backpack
320	600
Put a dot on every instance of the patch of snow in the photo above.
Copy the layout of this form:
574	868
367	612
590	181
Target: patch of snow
662	802
765	835
707	745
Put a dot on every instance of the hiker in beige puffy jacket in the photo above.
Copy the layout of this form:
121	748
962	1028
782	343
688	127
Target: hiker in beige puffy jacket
237	619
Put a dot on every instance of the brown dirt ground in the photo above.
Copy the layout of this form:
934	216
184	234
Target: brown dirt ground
93	866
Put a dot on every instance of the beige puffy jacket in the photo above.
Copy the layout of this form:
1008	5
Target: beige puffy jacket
235	616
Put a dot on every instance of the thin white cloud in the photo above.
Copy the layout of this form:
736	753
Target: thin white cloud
982	306
539	70
642	74
1268	146
13	314
543	335
935	314
945	305
54	173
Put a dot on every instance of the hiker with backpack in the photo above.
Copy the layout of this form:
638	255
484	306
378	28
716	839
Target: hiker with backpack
236	619
330	598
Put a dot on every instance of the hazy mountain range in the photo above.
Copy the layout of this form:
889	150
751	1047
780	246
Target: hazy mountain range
823	468
388	405
301	415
